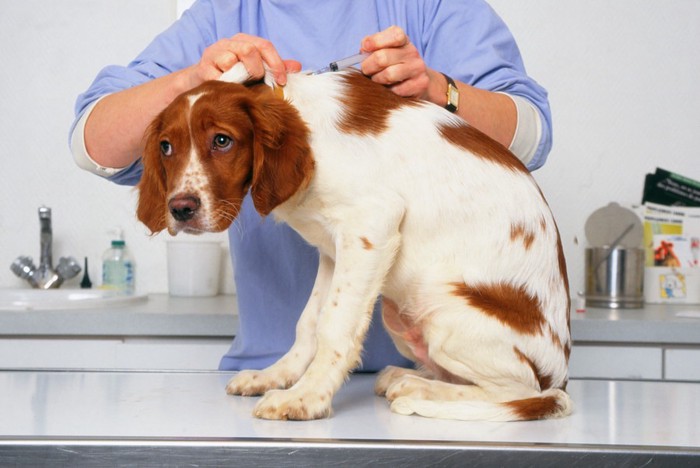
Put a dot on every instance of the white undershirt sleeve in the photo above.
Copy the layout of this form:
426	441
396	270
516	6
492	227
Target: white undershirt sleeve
80	154
528	131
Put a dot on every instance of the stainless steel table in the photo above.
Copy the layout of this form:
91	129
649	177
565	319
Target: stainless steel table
171	419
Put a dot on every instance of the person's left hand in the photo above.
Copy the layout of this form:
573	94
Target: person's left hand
396	63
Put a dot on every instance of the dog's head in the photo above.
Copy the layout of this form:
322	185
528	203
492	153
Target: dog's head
212	145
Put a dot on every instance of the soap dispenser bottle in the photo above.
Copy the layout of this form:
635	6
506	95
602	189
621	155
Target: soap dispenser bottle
118	267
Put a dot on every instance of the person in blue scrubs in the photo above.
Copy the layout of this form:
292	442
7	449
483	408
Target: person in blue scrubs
415	48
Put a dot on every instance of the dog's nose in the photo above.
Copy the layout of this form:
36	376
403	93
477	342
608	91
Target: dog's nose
183	208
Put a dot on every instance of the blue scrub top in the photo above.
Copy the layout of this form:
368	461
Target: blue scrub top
274	268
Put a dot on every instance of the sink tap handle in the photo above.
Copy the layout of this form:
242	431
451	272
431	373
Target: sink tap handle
68	267
24	267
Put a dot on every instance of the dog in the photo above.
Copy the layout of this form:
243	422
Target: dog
402	199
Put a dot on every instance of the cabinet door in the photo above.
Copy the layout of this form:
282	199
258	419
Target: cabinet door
682	364
613	362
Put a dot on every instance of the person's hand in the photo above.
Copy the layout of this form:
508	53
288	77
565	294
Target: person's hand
396	63
255	52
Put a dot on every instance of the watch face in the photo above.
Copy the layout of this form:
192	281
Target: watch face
452	95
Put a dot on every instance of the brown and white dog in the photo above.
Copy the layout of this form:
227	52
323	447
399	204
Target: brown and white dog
402	199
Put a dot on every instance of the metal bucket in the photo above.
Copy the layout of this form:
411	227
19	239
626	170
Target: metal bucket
614	278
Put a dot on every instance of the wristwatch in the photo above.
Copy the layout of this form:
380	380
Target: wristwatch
452	95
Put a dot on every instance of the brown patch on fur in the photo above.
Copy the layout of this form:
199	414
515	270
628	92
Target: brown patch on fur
518	231
283	163
564	347
544	380
511	305
366	243
478	143
368	105
534	408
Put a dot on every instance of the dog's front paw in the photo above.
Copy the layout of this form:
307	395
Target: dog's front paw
253	383
293	404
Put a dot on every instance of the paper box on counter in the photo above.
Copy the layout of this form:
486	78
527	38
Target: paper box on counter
664	285
672	242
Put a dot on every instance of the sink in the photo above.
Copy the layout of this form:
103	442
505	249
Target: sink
55	299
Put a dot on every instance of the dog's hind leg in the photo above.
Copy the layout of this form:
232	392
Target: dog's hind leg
287	371
390	374
505	384
417	387
552	403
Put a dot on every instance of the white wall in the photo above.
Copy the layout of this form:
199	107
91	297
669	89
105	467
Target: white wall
622	77
623	83
51	52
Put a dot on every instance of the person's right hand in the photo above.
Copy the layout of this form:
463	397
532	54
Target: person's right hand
253	51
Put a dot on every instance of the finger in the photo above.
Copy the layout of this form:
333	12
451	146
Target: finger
292	66
390	76
391	66
268	54
380	60
393	36
247	53
256	53
415	87
384	58
216	59
224	60
274	62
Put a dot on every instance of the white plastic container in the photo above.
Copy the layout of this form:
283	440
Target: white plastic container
194	268
118	269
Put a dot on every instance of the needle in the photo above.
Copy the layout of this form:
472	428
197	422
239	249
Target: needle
342	63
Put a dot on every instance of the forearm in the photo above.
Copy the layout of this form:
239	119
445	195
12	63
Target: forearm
494	114
511	120
114	129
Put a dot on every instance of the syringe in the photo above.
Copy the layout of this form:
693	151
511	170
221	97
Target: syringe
342	63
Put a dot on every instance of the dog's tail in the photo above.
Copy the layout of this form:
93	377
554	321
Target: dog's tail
552	403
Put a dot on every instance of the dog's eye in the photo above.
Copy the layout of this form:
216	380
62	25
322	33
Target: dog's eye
221	142
166	148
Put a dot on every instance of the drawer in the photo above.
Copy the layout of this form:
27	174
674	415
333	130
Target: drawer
613	362
96	353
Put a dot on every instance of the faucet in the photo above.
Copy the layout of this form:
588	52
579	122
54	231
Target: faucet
45	277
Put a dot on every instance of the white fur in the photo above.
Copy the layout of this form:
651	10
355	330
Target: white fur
236	74
407	214
194	180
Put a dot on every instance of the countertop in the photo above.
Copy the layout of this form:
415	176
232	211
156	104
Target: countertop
217	317
160	315
138	418
652	324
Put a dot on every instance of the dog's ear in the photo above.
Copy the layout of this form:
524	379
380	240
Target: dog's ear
282	159
151	208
